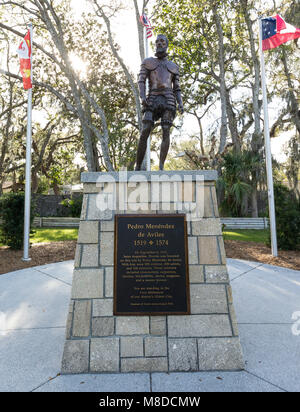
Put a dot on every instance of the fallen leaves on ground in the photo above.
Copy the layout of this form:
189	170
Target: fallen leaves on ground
258	252
40	254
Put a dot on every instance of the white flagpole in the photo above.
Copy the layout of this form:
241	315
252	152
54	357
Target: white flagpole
148	151
268	149
26	257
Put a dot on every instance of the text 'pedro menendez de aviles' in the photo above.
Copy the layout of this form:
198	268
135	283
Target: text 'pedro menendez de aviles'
164	91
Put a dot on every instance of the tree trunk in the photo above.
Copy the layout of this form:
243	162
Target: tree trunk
91	146
294	105
122	64
140	30
34	182
245	206
221	58
256	142
232	122
56	189
254	206
56	33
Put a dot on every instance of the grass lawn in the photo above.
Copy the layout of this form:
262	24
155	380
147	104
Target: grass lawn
247	235
53	235
46	235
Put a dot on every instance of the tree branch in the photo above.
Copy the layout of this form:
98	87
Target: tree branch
63	99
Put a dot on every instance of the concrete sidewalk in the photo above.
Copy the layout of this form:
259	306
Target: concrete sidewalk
33	309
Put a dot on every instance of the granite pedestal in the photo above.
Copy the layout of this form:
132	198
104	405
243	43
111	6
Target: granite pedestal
99	342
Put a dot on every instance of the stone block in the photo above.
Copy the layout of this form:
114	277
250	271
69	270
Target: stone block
70	320
132	346
158	325
208	299
107	248
183	356
104	355
229	294
84	207
71	305
167	207
87	284
75	357
206	227
208	250
193	251
188	192
82	318
133	325
104	326
220	354
107	226
191	209
189	228
234	321
77	256
155	189
90	256
216	274
198	326
88	232
169	191
100	207
208	204
144	365
215	201
196	274
109	282
69	325
139	209
138	192
92	188
102	307
222	250
155	346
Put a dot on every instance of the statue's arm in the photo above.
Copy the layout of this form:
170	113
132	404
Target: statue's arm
142	83
177	92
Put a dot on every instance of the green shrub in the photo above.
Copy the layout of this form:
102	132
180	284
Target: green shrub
287	208
12	216
73	206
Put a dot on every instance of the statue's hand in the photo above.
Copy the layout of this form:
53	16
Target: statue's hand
181	109
144	102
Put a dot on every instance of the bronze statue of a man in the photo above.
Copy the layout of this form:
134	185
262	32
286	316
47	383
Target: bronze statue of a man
164	91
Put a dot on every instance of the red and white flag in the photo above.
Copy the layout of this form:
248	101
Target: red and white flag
275	31
24	52
146	22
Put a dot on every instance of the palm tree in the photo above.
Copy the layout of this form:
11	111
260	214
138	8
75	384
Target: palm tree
236	180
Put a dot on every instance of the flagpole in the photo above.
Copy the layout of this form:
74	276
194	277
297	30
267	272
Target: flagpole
148	151
26	257
268	149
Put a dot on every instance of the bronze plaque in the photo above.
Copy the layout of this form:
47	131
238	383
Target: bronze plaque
151	265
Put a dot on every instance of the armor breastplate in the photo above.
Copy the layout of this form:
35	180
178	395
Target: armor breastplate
160	78
161	73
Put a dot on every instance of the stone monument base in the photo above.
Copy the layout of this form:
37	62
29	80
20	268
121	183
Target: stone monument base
99	342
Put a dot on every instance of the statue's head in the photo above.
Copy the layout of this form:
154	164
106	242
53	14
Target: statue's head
162	44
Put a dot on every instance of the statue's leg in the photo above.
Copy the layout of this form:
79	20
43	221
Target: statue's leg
147	127
165	144
166	123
